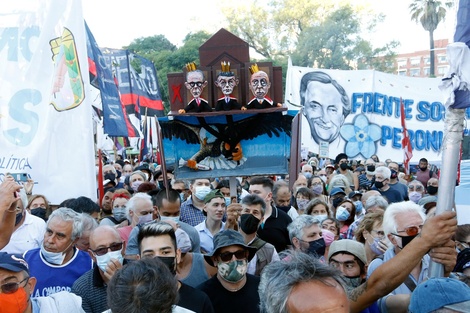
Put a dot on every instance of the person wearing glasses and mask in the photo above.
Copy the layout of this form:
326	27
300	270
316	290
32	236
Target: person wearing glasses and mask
232	289
402	223
16	288
106	249
57	264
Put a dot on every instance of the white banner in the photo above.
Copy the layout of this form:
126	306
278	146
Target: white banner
46	126
358	112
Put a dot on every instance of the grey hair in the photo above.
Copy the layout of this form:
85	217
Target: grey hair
140	196
390	224
88	223
180	181
69	215
296	228
278	185
253	199
385	171
376	201
339	180
278	279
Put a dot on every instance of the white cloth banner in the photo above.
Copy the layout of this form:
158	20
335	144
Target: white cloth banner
358	112
46	125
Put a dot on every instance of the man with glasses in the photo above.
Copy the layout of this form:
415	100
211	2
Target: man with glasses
57	264
16	288
106	249
231	290
195	83
402	223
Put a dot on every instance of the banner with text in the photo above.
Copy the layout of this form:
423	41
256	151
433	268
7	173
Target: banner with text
45	116
358	113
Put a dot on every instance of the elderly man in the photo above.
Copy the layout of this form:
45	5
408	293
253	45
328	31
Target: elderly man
57	264
382	179
17	286
158	240
402	225
226	81
415	190
259	86
195	83
298	279
107	253
232	289
305	233
282	198
394	182
214	209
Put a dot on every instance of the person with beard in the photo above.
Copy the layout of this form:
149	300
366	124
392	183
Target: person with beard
402	223
366	180
305	233
158	240
251	216
424	173
29	230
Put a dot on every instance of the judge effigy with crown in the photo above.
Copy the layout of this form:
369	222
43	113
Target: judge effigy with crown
227	81
195	83
259	86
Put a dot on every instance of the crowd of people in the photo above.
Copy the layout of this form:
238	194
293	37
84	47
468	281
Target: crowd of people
342	236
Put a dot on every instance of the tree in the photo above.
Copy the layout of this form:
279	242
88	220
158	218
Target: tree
429	13
149	45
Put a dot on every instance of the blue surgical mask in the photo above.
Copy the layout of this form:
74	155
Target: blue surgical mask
175	219
201	192
307	175
119	214
56	258
182	197
228	201
145	219
321	217
342	214
358	205
415	196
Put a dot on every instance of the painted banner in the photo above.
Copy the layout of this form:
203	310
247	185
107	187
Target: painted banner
227	145
358	113
46	126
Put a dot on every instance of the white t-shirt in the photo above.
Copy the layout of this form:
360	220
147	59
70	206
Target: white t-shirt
29	235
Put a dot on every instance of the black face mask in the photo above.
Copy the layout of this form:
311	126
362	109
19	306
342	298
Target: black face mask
371	168
119	174
343	166
249	223
19	216
406	240
317	247
432	190
379	184
285	208
110	176
161	185
169	261
337	201
39	212
394	174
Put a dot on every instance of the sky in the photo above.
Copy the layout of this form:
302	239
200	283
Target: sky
116	23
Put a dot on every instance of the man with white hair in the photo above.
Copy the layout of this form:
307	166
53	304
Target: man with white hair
382	180
305	233
402	223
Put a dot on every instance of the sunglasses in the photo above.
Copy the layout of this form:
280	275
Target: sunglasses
411	230
104	250
239	255
12	287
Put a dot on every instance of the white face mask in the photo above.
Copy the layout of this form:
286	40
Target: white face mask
201	192
56	258
175	219
103	260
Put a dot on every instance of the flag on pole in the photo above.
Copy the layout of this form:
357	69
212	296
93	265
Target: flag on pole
405	142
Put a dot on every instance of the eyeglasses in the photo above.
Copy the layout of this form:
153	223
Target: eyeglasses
411	230
12	287
379	233
239	255
464	244
198	84
104	250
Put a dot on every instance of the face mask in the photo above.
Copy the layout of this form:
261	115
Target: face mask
175	219
317	189
321	217
182	199
145	219
110	176
374	246
135	185
323	177
353	281
317	247
56	258
415	196
169	261
16	302
358	205
228	201
406	240
119	214
118	174
18	218
337	201
343	166
161	185
379	184
394	174
249	223
307	175
284	208
301	204
371	168
233	271
201	192
432	190
103	260
342	214
39	212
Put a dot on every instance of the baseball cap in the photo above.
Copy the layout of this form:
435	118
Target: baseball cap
183	242
352	194
13	262
436	293
227	238
216	193
350	246
336	190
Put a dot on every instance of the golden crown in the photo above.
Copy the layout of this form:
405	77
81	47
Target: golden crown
254	68
225	66
191	66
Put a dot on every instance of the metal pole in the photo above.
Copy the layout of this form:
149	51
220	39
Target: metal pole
453	135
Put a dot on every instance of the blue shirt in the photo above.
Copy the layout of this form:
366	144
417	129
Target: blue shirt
206	237
190	214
